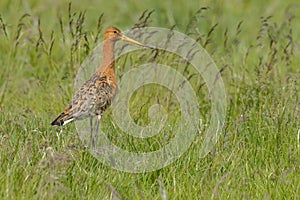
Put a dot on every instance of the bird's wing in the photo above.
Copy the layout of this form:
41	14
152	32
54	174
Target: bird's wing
91	99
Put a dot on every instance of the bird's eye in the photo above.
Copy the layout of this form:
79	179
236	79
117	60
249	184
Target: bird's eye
115	31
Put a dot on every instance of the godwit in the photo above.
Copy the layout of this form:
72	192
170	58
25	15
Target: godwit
96	94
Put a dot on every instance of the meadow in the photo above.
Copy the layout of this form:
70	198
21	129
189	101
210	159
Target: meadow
256	46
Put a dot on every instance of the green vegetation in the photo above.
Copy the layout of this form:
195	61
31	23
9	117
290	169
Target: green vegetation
256	47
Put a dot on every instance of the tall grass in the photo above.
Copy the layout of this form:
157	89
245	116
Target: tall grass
256	49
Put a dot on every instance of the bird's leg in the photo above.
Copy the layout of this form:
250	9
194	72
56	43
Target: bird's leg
91	129
97	128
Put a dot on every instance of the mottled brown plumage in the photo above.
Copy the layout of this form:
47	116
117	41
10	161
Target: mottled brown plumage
96	94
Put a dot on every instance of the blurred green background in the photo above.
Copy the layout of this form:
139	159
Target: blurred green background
254	43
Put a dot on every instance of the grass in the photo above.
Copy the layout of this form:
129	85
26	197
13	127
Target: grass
42	45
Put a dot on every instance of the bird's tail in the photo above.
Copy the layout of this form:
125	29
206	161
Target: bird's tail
62	119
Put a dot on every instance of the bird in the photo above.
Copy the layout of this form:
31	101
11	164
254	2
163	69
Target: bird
97	93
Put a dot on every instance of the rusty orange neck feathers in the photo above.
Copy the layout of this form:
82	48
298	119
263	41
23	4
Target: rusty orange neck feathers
108	55
111	35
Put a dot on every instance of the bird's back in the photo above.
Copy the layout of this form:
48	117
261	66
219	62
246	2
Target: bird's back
92	98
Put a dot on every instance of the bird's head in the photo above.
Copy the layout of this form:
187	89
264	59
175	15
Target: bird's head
114	34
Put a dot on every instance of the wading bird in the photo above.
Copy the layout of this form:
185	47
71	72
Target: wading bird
96	94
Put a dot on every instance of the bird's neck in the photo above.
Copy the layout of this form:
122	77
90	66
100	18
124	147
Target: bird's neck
108	59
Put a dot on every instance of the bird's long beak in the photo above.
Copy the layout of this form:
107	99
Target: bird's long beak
123	37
